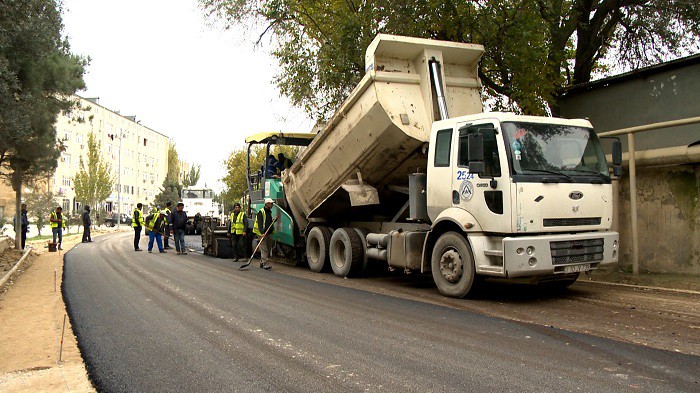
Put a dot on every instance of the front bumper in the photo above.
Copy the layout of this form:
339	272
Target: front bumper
559	254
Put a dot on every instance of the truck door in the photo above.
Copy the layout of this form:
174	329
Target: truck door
486	196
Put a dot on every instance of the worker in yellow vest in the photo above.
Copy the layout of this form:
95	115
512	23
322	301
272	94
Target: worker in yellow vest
137	222
263	227
157	224
238	228
57	223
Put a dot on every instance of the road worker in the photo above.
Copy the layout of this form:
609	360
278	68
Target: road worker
57	223
264	229
157	223
168	224
238	228
137	222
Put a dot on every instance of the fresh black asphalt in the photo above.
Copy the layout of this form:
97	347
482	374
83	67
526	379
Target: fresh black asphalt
163	322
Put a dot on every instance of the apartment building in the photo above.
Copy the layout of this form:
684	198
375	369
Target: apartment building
138	156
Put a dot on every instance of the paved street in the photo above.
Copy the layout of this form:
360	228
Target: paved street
163	322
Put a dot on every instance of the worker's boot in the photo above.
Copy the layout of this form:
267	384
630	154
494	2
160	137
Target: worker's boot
265	265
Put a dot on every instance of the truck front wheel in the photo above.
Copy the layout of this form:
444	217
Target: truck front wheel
452	265
317	245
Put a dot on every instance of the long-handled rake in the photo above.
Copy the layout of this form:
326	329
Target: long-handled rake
245	265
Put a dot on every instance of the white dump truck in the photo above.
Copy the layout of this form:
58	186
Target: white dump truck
412	172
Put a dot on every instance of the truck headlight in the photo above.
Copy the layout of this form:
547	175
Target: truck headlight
532	261
530	250
520	251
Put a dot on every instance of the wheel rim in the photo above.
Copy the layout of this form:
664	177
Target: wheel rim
451	266
339	254
314	251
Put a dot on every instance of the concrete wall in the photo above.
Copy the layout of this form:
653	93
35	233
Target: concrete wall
668	219
667	197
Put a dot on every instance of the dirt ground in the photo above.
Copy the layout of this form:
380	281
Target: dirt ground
8	260
661	280
31	322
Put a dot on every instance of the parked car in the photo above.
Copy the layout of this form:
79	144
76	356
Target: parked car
112	221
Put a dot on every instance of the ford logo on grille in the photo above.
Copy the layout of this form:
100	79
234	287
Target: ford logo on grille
576	195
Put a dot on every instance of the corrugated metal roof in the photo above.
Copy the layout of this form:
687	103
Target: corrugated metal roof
636	74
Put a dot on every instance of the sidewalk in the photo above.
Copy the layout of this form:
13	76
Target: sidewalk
31	320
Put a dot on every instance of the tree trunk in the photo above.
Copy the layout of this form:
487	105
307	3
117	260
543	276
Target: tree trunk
17	187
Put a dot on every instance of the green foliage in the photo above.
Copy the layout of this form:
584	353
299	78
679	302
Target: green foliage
94	182
40	204
235	184
172	189
191	178
534	48
38	74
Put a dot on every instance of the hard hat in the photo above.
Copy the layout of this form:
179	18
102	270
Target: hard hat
269	200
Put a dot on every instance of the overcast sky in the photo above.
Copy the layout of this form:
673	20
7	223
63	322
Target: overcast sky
161	61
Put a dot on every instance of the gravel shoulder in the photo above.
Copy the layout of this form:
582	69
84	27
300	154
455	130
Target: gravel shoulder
31	321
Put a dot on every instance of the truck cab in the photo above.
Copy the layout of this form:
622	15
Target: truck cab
532	194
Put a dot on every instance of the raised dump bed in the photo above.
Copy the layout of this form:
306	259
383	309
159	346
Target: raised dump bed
379	136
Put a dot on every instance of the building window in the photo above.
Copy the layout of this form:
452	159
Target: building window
66	206
66	136
145	142
79	138
66	181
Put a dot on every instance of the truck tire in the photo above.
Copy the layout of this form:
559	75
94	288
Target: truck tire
363	232
346	252
317	246
452	265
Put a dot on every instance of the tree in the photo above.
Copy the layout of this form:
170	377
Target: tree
172	189
533	48
38	75
40	203
191	178
94	182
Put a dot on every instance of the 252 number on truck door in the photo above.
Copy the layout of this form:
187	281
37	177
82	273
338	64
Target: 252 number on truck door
464	175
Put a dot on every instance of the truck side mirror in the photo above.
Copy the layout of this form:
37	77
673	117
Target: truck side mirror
476	153
617	158
617	153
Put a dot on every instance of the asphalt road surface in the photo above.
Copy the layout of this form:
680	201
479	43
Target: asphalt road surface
163	322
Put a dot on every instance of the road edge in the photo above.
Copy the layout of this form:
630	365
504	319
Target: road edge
74	328
9	274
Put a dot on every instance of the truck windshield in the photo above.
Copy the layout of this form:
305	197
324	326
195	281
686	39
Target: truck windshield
201	194
556	149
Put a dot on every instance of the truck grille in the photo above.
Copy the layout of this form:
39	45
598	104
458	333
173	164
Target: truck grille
576	251
570	222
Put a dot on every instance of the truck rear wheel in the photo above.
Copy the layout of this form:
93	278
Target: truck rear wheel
452	265
317	246
363	232
346	252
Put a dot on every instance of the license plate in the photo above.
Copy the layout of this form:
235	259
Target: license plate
577	268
